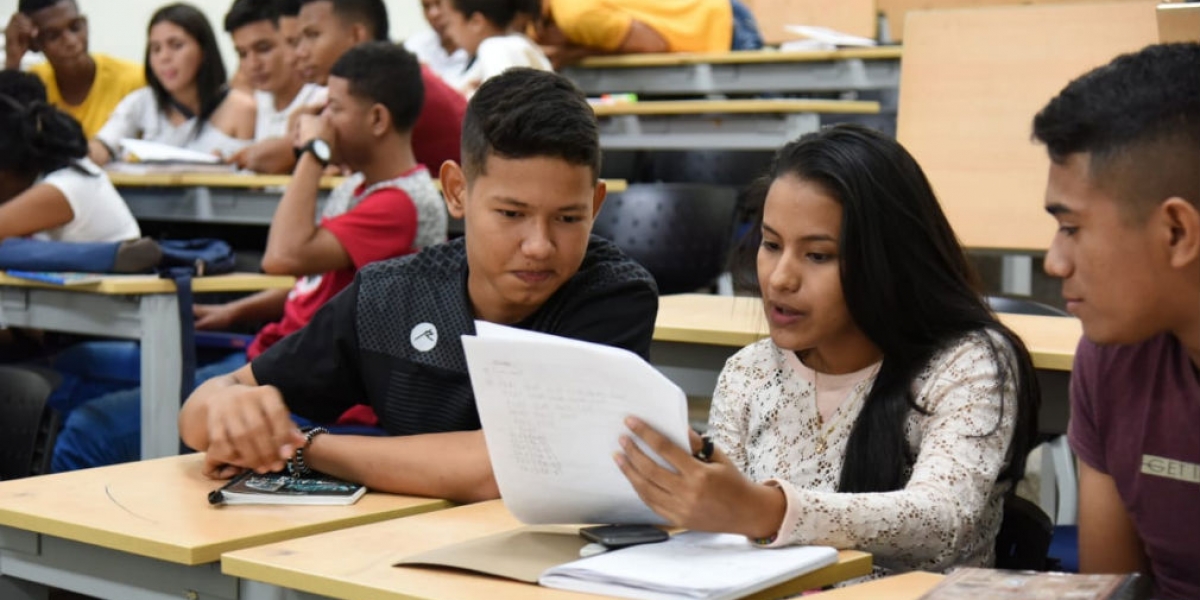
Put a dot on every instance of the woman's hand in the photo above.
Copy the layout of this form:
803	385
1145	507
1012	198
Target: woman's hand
704	496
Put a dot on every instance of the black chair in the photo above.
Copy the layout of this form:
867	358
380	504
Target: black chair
28	426
679	232
1024	306
1024	539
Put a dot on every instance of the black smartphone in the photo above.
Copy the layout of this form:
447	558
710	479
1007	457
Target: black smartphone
620	536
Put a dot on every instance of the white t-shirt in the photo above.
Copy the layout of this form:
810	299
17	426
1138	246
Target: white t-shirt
139	116
495	56
428	48
270	123
101	215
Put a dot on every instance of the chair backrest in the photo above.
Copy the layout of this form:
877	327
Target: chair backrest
679	232
1024	538
28	426
1024	306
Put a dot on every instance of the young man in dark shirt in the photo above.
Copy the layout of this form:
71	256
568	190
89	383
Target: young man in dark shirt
1124	185
528	192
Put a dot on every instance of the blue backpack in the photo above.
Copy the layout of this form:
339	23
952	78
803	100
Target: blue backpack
178	260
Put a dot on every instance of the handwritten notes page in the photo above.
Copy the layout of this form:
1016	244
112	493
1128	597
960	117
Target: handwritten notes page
553	410
691	565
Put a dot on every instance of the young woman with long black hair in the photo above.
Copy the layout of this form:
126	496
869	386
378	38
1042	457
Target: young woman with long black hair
890	411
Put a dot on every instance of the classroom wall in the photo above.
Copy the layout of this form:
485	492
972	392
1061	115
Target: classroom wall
118	27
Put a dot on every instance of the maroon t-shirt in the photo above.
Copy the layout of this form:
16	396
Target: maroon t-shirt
437	134
1135	415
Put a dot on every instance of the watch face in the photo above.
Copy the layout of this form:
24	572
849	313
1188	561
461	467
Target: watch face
321	149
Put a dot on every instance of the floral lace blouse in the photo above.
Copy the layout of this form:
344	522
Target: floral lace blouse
765	417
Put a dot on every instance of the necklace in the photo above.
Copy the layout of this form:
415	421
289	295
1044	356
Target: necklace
826	427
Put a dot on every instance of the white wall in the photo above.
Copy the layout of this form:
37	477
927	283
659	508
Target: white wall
118	27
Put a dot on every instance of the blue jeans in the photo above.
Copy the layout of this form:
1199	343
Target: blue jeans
746	35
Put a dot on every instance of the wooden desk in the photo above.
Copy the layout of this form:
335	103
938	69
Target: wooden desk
716	124
361	568
971	84
909	586
145	530
741	72
1178	23
140	307
218	198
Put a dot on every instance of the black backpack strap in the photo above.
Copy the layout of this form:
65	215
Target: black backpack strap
182	276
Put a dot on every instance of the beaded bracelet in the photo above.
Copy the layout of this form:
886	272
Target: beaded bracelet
296	466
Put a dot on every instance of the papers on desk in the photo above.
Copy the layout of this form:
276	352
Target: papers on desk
60	278
154	152
553	411
692	565
821	38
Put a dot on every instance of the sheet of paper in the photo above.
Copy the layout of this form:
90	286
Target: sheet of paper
827	36
156	152
553	412
690	565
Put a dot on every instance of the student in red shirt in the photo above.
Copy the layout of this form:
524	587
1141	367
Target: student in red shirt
389	208
328	28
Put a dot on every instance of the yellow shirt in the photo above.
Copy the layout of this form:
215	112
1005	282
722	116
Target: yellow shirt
687	25
114	79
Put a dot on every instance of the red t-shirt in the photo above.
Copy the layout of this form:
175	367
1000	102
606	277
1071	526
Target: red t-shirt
382	225
438	131
1135	415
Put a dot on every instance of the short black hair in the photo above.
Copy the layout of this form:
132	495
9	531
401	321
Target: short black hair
387	74
372	13
245	12
500	12
288	8
35	137
28	7
526	113
1138	119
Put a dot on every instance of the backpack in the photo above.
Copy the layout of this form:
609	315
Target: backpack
178	260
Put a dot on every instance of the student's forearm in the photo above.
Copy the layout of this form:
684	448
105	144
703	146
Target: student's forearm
266	305
273	156
294	224
454	466
643	39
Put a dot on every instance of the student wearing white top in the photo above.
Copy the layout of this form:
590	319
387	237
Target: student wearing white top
48	187
483	28
434	46
187	103
890	411
269	64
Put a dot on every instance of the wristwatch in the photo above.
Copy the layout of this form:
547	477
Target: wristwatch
319	149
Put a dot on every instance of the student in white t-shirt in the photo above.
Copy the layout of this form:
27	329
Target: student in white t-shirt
48	187
434	46
188	102
485	30
270	66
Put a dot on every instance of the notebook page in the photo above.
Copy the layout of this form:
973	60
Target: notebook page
693	564
553	411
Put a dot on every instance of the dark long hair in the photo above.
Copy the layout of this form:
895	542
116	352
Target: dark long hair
909	288
500	13
210	76
35	137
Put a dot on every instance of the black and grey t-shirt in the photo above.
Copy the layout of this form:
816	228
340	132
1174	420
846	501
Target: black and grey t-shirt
391	339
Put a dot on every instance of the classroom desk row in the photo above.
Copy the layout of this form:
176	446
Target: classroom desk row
219	198
138	307
742	72
145	531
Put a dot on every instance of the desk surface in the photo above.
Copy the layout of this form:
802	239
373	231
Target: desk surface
740	57
736	107
739	321
246	181
361	567
909	586
1178	23
116	285
159	508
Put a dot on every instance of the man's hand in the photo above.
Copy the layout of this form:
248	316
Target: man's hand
215	317
311	127
249	427
19	37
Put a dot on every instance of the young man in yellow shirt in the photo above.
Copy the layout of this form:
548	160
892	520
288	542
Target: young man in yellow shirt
85	86
574	29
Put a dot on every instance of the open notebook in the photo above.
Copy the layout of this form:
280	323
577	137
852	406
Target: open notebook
154	152
691	565
553	412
